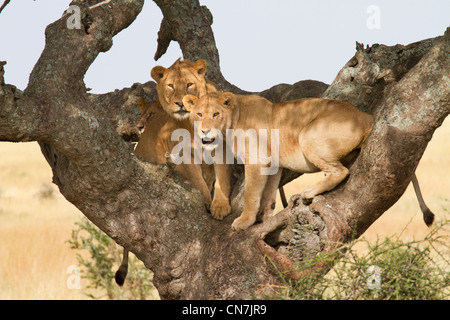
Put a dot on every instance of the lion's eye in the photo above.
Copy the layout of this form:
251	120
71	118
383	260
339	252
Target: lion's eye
199	115
216	114
189	85
170	86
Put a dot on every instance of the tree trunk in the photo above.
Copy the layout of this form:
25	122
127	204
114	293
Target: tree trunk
161	218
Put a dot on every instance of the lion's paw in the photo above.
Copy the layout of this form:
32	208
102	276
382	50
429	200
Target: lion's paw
220	209
242	223
307	197
208	206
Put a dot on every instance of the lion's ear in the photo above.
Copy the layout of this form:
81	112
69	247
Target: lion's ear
228	100
141	103
200	67
189	102
157	73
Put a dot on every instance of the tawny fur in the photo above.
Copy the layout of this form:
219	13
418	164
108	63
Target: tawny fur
155	144
314	135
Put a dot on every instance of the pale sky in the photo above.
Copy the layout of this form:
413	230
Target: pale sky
261	42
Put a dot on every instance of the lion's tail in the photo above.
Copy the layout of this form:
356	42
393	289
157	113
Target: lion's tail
283	197
428	216
121	273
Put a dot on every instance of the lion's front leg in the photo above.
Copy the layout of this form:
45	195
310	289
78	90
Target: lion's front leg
193	172
254	186
208	175
221	207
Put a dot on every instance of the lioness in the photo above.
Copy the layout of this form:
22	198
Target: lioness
314	135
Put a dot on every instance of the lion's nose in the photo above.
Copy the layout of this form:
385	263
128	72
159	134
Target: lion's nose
180	104
206	131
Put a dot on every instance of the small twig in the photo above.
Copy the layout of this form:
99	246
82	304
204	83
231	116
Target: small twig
99	4
4	5
89	8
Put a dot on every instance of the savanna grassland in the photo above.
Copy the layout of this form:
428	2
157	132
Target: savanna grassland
36	220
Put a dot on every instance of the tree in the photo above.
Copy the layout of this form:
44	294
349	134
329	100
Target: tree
85	138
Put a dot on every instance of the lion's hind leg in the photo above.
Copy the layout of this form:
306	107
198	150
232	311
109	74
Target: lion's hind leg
325	149
326	157
334	173
269	196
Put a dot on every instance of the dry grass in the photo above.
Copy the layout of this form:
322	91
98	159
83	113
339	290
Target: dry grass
36	221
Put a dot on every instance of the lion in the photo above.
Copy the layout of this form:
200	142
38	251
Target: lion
155	144
313	135
182	78
148	110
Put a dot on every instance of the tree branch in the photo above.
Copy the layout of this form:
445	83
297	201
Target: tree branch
158	216
96	170
188	23
408	108
405	121
93	167
121	109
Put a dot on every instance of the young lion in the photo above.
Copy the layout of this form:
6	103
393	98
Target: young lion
314	135
148	110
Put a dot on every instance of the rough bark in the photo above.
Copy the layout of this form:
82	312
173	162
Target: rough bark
152	212
411	107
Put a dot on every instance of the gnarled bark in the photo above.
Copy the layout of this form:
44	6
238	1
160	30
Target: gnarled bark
152	212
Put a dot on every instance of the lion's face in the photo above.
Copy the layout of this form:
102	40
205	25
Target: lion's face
181	79
215	114
148	110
